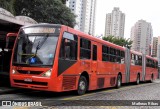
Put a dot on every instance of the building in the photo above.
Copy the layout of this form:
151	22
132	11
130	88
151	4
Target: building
158	49
154	46
85	11
11	23
141	35
67	3
115	23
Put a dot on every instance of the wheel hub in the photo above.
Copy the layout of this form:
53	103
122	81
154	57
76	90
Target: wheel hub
82	85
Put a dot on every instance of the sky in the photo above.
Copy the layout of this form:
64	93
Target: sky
134	10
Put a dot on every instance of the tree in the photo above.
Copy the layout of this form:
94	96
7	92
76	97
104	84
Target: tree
119	41
128	43
8	5
63	1
47	11
109	38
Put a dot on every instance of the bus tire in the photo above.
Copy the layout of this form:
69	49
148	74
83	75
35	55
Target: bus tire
82	85
119	81
138	79
152	78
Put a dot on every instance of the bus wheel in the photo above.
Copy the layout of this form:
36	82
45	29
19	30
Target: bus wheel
138	79
119	81
82	85
152	78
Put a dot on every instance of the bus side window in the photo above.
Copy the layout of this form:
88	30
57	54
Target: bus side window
85	49
94	52
140	60
136	60
118	56
132	59
105	53
122	57
69	47
156	64
112	58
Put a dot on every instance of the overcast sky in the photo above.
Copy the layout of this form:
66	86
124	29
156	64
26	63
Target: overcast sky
134	10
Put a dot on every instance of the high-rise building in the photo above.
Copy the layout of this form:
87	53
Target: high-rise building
141	35
154	46
158	49
67	3
115	22
85	11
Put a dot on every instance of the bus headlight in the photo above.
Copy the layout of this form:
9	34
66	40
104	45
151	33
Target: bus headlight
13	71
47	74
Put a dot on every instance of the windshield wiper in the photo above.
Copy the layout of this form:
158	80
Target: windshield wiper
40	43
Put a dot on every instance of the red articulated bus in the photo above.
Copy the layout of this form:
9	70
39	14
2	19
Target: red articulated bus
57	58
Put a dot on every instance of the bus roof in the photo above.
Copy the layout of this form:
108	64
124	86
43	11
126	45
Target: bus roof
79	33
151	58
42	24
135	52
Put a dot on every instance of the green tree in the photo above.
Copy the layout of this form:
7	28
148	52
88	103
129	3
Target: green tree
4	4
119	41
63	1
48	11
8	5
128	43
109	38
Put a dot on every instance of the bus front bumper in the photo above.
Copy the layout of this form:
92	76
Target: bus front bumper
34	82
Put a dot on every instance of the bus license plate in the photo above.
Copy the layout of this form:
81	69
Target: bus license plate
28	80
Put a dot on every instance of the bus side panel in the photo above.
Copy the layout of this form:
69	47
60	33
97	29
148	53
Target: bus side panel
109	71
135	69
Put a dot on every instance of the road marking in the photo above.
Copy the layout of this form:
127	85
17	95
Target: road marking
73	98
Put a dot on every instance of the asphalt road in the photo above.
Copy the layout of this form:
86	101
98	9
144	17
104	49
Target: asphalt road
128	96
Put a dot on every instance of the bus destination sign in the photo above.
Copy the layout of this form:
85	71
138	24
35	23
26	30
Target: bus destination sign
39	30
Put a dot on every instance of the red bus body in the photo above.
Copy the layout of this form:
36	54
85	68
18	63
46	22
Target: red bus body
101	70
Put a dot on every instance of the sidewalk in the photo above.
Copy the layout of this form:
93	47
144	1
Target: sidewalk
157	81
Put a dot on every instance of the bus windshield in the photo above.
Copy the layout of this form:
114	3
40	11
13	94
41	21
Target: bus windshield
36	49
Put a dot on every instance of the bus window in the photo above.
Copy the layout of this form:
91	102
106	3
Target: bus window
105	53
132	59
156	64
140	60
118	56
112	55
122	57
85	49
69	46
94	55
